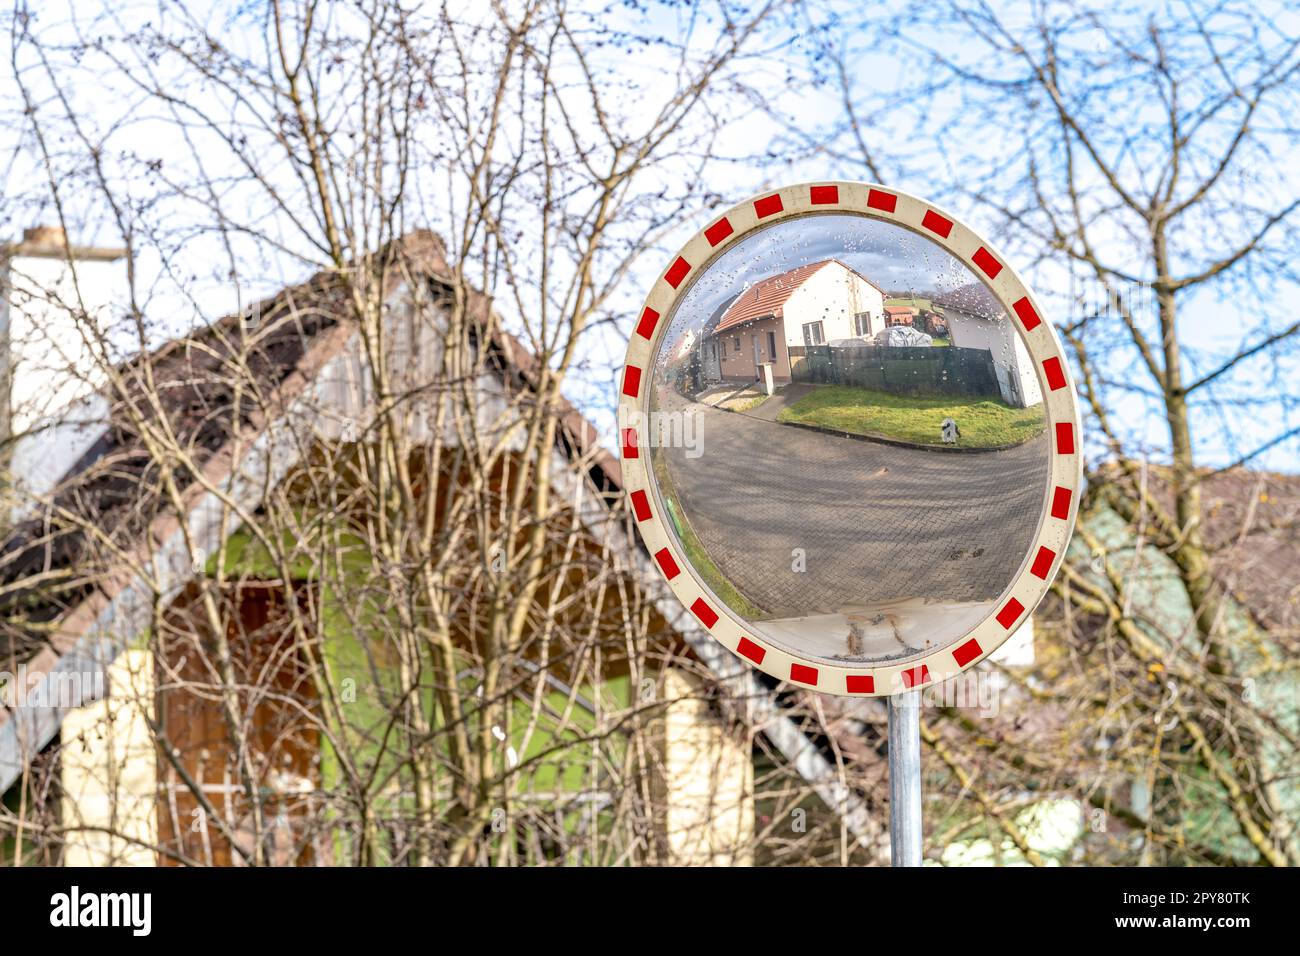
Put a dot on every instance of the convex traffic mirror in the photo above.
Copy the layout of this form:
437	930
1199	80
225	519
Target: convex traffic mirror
849	438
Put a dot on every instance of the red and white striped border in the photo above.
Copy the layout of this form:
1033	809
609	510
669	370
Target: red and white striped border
1060	500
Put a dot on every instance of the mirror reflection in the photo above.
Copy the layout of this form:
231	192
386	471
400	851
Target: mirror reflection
848	439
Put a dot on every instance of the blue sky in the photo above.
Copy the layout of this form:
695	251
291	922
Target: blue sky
937	149
785	139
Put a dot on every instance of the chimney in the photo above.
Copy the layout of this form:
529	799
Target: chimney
51	238
54	301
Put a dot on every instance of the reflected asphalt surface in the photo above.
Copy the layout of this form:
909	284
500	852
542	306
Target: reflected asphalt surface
876	523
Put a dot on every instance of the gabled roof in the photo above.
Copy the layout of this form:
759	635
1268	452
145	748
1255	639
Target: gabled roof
51	563
88	576
767	297
711	325
70	585
115	488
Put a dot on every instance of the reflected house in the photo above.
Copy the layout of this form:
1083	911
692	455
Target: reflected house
710	348
899	315
917	311
682	356
682	346
783	314
932	322
976	320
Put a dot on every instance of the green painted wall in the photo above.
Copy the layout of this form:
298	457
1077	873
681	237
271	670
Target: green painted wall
363	670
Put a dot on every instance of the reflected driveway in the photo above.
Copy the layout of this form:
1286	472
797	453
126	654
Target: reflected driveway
868	523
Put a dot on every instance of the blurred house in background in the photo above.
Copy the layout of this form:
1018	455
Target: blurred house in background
146	769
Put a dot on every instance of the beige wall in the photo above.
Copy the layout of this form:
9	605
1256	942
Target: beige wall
109	771
832	296
738	364
708	778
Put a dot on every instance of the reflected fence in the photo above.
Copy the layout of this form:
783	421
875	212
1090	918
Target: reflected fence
899	370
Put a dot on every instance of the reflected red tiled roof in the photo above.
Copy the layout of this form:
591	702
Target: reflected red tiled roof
767	297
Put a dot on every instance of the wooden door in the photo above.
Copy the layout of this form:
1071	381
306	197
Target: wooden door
275	717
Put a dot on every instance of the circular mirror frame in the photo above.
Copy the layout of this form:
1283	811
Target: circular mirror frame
1060	498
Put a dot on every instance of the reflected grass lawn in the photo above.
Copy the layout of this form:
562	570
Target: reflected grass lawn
745	404
984	422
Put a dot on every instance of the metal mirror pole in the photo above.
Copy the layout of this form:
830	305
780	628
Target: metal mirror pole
905	778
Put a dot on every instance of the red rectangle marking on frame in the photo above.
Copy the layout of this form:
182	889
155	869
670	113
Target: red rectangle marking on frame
665	559
967	652
1061	503
860	684
708	617
824	195
646	327
749	649
804	674
984	259
1028	317
631	381
677	272
718	231
630	449
879	199
670	567
916	676
768	206
1064	438
1052	369
641	505
1042	562
1010	613
936	223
